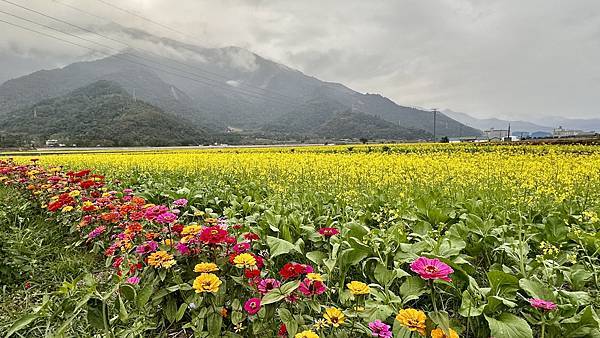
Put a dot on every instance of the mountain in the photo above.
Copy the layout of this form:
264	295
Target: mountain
223	89
101	113
568	123
484	124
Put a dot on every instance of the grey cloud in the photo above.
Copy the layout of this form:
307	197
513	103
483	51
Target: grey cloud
509	58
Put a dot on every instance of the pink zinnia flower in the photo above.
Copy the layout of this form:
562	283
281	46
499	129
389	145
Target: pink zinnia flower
147	247
431	268
311	287
133	280
380	329
252	306
241	247
182	202
542	304
182	248
328	232
96	232
166	218
267	285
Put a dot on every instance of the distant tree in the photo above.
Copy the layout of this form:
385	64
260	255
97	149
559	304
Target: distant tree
363	140
445	139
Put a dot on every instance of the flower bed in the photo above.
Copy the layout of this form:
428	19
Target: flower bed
188	270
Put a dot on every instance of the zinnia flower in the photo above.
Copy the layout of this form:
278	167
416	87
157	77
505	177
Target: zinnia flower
328	232
413	320
429	268
213	235
282	333
206	282
166	218
206	267
306	334
244	260
161	259
380	329
267	285
334	316
293	270
133	280
149	246
182	202
252	306
439	333
241	247
358	288
310	287
542	304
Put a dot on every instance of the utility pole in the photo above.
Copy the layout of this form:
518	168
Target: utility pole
134	98
434	124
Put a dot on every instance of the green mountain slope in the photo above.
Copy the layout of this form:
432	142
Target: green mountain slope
102	113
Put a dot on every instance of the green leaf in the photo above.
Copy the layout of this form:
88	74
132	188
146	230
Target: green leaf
440	318
180	312
123	315
508	325
128	292
316	257
97	313
383	275
412	288
582	324
170	309
470	307
144	295
214	323
21	323
503	284
290	323
279	246
536	289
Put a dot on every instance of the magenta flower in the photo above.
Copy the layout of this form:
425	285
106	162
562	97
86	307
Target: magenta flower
542	304
147	247
380	329
310	287
328	232
431	268
151	213
252	306
133	280
241	247
267	285
96	232
166	218
182	202
182	248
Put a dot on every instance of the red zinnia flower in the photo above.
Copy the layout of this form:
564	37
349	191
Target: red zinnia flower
328	232
293	270
213	235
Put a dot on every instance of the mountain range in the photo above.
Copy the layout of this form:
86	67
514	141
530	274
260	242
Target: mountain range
222	94
541	126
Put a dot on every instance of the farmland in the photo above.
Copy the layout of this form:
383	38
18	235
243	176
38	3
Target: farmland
333	241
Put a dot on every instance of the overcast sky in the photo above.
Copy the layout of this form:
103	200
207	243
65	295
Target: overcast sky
506	58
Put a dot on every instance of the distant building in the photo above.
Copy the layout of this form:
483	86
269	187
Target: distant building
561	132
51	143
496	134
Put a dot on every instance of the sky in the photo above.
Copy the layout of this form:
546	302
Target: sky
510	59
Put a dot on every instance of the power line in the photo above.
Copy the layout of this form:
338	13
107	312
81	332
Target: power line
235	89
220	76
143	18
95	50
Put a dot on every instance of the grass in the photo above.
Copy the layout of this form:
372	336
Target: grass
34	260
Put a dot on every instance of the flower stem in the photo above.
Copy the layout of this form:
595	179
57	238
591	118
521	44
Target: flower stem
433	295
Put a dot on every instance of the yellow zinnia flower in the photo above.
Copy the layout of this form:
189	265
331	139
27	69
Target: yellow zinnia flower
206	282
206	267
314	276
244	260
74	193
439	333
358	288
67	208
161	259
334	316
306	334
412	319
